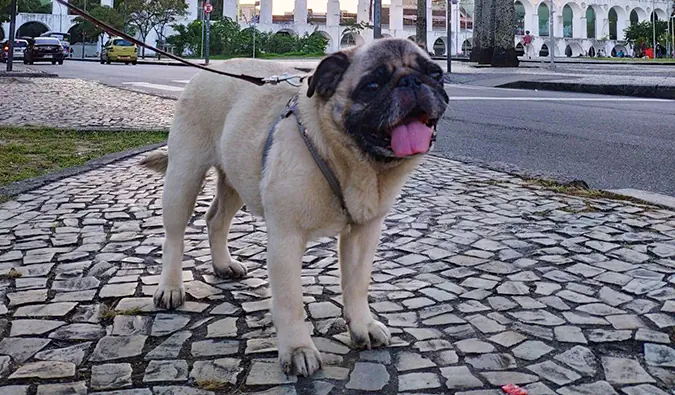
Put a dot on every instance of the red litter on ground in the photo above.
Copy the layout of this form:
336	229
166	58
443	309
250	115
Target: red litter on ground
512	389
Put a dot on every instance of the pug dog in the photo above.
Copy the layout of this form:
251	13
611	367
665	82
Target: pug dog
368	112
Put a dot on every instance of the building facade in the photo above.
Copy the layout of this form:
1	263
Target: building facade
580	27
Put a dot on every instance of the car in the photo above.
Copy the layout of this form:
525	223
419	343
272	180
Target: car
44	49
118	49
19	48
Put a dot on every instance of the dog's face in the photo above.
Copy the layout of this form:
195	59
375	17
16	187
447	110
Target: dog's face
387	95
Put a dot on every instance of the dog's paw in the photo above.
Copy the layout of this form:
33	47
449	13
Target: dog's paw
232	270
169	297
302	361
370	334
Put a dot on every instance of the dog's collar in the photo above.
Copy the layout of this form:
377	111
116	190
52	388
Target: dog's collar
292	109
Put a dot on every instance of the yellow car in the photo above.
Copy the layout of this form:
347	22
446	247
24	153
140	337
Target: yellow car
118	49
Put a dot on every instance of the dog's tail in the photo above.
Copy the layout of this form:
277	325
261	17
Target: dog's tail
158	162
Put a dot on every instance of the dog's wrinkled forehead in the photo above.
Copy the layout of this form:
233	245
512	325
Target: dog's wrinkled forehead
354	62
393	53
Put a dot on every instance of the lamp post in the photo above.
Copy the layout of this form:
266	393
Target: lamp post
653	29
12	28
377	19
448	25
551	35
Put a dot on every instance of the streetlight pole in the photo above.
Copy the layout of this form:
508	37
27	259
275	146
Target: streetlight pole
377	19
448	28
12	28
551	35
208	34
653	29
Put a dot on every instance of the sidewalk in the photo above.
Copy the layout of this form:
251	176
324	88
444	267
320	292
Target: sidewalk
483	279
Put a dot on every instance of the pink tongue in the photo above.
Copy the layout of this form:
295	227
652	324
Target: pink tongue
410	139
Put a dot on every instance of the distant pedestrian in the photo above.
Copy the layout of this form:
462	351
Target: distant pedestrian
527	42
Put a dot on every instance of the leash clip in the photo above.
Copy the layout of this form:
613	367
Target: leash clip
275	79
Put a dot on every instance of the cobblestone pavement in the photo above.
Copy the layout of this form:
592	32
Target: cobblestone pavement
482	279
80	104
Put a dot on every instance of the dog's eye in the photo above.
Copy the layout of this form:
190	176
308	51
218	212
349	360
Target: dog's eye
372	87
437	75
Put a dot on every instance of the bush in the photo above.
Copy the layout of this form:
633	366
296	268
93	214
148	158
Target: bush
229	40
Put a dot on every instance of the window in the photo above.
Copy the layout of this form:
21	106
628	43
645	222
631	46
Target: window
543	20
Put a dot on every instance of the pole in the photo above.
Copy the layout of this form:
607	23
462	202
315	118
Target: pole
12	28
448	27
458	29
208	35
377	19
201	17
653	29
551	36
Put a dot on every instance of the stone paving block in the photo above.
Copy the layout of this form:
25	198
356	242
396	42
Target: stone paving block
472	284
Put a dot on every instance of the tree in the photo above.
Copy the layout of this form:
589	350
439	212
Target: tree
167	11
643	33
84	29
487	32
421	31
144	15
5	7
477	30
504	53
35	6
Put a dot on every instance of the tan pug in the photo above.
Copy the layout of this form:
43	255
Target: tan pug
369	111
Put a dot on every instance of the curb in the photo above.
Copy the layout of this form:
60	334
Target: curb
25	74
19	187
653	92
650	197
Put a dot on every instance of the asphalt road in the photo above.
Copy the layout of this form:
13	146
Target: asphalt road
608	141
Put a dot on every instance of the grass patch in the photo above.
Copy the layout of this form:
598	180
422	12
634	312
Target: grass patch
32	152
11	274
580	189
108	313
637	60
211	385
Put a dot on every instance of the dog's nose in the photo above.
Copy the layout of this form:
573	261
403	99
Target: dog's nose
409	81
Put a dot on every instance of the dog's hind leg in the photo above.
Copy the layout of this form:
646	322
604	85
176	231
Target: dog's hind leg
183	181
225	205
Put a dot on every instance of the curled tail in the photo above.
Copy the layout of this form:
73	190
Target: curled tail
157	162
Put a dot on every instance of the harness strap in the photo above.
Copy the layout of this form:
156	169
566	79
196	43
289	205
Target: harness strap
292	109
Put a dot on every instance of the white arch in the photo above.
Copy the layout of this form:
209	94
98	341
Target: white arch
621	22
350	39
641	14
577	15
440	48
577	49
18	29
287	30
327	36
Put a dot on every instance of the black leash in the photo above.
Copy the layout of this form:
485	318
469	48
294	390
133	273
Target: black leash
114	32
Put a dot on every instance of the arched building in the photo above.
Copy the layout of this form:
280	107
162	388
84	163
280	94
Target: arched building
579	27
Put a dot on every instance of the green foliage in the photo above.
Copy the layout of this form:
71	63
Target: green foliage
35	6
84	29
228	39
643	33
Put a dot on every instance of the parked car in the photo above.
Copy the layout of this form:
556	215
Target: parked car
44	49
19	48
118	49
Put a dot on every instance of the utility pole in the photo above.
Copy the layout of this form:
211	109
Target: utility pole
551	36
377	19
12	28
448	27
208	7
653	29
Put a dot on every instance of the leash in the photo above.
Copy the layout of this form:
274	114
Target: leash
292	109
275	79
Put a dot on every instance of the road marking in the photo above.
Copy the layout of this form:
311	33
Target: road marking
181	81
156	86
574	99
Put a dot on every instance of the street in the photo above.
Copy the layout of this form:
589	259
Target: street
608	141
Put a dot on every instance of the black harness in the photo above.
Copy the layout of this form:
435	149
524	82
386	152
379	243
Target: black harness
292	109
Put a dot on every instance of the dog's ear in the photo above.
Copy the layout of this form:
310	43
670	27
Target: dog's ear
328	75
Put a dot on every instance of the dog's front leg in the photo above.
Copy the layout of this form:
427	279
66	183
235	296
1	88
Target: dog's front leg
297	353
356	251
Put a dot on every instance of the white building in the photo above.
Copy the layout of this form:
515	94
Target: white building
579	27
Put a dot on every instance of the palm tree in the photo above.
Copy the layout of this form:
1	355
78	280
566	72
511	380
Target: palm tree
504	53
421	36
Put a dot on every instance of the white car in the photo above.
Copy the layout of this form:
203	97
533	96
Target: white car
19	48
